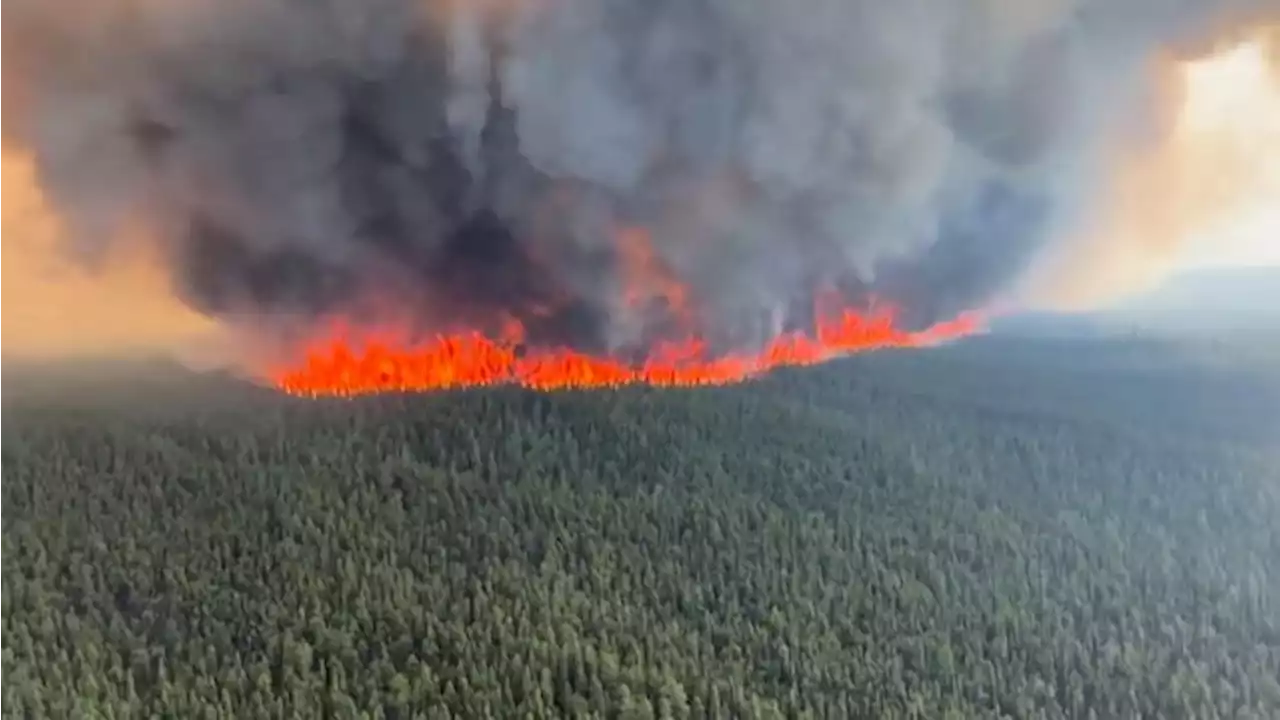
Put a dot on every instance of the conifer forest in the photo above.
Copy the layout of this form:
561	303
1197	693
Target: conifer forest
1007	527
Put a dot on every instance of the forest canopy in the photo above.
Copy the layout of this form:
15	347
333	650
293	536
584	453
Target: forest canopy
1003	528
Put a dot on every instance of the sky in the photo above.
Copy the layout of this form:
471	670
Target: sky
1199	190
54	306
1234	101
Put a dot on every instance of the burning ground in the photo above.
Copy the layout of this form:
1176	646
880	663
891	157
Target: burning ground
410	194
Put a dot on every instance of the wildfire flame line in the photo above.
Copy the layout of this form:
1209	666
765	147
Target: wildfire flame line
337	366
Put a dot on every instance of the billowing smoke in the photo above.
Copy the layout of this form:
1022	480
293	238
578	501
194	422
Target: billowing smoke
455	162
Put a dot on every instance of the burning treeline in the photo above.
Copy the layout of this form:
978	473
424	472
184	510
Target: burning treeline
399	194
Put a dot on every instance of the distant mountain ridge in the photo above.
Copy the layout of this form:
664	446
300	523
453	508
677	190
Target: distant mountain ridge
1211	300
1229	298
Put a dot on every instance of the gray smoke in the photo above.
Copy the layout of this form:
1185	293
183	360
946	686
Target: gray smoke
450	159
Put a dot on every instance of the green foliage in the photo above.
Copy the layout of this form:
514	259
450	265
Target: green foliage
945	535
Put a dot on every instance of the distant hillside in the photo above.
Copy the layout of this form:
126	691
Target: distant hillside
1234	298
1050	325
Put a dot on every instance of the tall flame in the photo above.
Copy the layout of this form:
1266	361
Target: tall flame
347	363
647	281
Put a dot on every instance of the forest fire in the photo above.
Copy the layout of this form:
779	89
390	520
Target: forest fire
345	362
582	194
346	365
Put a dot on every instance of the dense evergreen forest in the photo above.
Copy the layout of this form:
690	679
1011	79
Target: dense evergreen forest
1003	528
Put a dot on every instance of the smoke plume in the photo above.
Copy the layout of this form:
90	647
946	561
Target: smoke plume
458	162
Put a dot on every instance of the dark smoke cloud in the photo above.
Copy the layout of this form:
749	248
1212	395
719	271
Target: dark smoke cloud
453	159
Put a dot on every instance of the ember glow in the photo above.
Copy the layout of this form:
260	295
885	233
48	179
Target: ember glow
352	363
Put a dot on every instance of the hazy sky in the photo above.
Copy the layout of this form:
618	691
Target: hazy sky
1234	106
1200	189
54	307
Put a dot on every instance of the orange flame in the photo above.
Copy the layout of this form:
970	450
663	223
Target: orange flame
344	364
647	280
